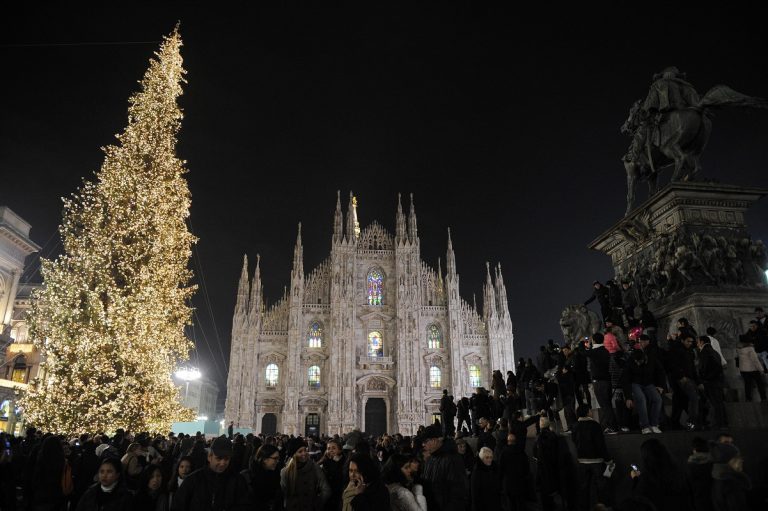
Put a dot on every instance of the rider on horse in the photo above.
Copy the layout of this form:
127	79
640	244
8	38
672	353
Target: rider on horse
669	91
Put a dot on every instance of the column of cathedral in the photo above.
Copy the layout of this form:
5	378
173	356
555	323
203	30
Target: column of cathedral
498	322
237	356
294	374
251	353
410	373
459	380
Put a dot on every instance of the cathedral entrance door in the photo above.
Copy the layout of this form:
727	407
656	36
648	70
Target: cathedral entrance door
269	424
312	425
375	416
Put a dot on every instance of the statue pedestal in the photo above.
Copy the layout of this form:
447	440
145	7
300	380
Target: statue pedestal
687	253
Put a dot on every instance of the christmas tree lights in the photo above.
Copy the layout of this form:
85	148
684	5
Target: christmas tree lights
110	317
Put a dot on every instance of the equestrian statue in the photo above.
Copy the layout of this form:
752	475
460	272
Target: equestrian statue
671	127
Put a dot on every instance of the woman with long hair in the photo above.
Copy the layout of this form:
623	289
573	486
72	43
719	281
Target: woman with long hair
264	480
365	491
132	465
302	480
46	492
108	494
182	469
332	464
661	481
151	496
399	475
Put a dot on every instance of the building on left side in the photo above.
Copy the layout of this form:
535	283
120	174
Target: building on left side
19	359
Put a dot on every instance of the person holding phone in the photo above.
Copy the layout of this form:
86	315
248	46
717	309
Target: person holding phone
365	491
661	481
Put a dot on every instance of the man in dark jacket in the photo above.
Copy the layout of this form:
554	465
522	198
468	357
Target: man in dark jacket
444	476
599	359
447	413
547	455
566	383
643	382
601	294
516	474
711	378
214	488
591	454
479	406
684	381
462	414
698	471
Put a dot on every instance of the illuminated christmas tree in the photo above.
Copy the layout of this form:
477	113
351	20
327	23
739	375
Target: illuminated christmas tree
111	315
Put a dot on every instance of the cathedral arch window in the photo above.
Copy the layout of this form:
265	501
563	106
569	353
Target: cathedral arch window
474	376
313	377
272	375
315	335
375	345
435	377
375	287
434	337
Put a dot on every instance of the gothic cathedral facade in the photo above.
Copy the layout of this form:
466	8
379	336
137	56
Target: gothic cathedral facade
367	340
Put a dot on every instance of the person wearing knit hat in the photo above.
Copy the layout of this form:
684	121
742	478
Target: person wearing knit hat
302	480
729	482
213	483
293	445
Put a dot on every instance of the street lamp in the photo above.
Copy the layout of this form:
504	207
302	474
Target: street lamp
187	374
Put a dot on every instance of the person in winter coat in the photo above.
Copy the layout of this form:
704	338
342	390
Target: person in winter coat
751	369
332	464
591	455
515	473
365	491
263	480
599	359
684	381
566	383
108	494
498	385
600	293
133	465
182	469
399	474
50	467
151	496
213	488
643	380
485	482
547	454
711	378
444	477
660	480
511	380
729	482
698	472
462	415
302	480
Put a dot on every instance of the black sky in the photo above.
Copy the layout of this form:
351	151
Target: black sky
505	126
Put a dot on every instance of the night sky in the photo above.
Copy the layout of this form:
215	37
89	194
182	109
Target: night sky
504	126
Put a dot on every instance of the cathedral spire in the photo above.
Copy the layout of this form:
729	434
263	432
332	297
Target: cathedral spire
489	294
353	227
298	256
439	275
400	230
256	300
501	291
338	220
450	260
241	306
413	234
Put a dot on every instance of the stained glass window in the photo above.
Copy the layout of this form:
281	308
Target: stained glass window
375	345
313	375
272	375
434	377
433	337
375	287
474	376
315	335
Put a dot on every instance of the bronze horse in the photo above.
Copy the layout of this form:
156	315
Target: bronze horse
678	138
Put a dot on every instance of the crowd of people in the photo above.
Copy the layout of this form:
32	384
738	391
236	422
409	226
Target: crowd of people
427	471
473	458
